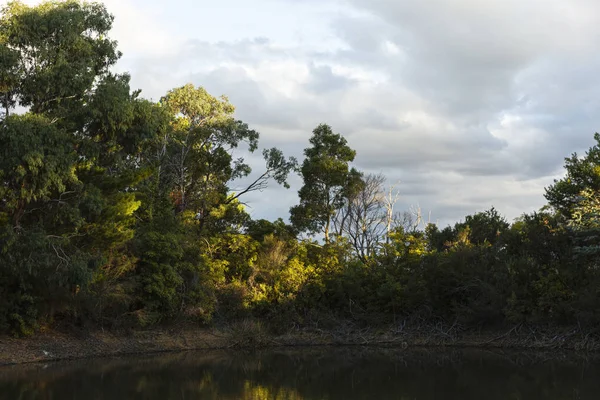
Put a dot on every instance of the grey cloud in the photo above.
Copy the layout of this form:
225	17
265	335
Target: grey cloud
417	150
323	79
463	55
455	76
375	119
249	98
363	34
246	50
466	58
435	121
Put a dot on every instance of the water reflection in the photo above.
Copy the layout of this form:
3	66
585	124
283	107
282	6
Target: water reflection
323	373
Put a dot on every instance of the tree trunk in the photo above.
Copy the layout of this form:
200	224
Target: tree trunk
6	105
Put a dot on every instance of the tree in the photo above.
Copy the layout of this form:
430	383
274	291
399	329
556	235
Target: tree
438	240
259	229
189	241
75	161
480	229
585	224
328	182
277	168
539	236
583	173
61	48
9	79
39	222
576	197
484	227
362	219
196	156
410	220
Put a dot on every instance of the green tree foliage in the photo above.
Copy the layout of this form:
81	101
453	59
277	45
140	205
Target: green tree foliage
195	156
172	278
328	181
61	49
481	229
116	211
582	174
9	78
190	242
585	222
39	223
111	191
53	196
577	198
198	162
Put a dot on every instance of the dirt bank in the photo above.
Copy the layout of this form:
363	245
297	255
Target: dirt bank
60	345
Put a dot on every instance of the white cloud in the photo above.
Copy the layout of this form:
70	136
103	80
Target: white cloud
140	31
469	103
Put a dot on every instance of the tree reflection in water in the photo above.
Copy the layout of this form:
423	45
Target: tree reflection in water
323	373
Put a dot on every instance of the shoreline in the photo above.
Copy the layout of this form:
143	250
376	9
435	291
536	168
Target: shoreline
54	346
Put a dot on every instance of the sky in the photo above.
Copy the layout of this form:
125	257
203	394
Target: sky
462	104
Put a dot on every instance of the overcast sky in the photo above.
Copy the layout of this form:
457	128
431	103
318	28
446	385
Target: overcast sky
467	103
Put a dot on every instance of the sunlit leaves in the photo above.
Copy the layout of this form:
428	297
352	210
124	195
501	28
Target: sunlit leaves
583	173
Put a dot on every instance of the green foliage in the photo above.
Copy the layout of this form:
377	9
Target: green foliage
585	223
119	212
197	152
62	48
9	78
328	181
39	221
481	229
162	253
36	161
583	174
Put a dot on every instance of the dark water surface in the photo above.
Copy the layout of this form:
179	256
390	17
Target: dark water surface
315	373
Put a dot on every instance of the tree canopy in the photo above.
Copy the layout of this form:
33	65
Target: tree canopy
328	181
121	212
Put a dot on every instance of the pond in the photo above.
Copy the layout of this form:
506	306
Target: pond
312	373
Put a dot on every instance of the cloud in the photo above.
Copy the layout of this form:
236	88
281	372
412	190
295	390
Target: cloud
322	79
468	103
454	95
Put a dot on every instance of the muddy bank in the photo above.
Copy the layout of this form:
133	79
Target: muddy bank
50	346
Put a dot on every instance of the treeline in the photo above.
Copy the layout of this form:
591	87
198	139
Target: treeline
116	211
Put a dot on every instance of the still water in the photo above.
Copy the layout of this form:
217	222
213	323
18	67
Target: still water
315	373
